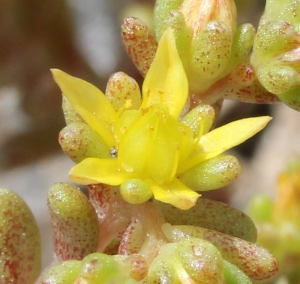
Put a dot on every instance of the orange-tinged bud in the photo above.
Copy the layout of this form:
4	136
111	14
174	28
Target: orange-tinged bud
198	13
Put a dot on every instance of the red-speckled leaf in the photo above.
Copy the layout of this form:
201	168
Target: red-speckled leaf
143	235
132	238
135	263
139	42
212	215
20	247
123	92
201	260
70	114
79	141
74	221
252	259
114	215
212	174
243	85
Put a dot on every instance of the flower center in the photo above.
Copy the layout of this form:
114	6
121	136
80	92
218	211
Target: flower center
151	143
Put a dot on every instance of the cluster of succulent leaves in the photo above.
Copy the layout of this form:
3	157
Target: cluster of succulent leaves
278	222
144	156
104	239
221	59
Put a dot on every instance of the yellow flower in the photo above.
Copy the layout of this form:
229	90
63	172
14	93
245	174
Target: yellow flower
150	146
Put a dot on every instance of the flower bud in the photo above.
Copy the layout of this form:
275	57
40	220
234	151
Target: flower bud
208	41
135	191
198	13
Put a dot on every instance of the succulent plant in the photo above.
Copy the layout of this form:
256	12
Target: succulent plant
150	155
146	155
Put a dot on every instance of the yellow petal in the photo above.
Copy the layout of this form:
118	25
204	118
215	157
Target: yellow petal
89	102
166	82
174	193
93	171
232	134
223	138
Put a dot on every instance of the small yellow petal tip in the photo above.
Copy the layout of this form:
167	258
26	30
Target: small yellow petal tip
59	75
56	71
261	121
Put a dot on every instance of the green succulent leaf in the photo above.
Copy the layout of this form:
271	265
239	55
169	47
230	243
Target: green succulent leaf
79	142
162	12
286	10
63	273
233	275
212	174
114	215
278	79
255	261
272	39
74	222
212	215
275	55
201	260
98	268
166	267
136	264
176	21
135	33
123	92
20	245
70	114
241	45
200	119
291	98
210	53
